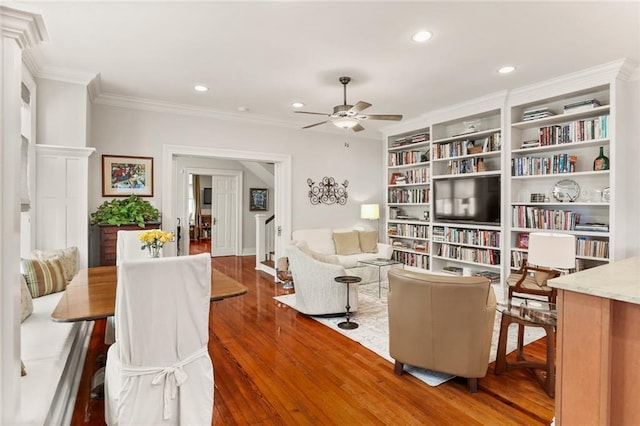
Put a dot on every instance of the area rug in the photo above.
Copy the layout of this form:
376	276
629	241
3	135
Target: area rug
373	330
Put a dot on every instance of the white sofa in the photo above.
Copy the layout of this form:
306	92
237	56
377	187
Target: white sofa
321	240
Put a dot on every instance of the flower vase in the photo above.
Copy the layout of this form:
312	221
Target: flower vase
154	251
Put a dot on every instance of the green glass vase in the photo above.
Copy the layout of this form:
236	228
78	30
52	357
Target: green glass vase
601	162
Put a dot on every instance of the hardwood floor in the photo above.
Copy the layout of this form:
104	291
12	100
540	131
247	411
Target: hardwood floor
275	366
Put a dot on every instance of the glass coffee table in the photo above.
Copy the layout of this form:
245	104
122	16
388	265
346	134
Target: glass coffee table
528	313
380	263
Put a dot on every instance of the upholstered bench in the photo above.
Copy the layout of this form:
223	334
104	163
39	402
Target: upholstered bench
52	353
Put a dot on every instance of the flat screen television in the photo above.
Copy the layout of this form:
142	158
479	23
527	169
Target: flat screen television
206	198
473	199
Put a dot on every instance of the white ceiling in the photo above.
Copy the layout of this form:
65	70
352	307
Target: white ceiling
264	55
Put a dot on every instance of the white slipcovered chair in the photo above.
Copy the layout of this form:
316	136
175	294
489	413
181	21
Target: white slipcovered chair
128	246
159	371
317	293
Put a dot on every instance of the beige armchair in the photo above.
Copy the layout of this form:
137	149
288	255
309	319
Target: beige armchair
441	323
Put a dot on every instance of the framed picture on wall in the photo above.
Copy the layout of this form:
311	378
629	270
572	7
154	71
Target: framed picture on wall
258	199
123	176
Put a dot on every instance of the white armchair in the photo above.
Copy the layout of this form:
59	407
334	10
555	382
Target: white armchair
159	370
316	291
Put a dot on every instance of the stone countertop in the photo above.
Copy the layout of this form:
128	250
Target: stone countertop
618	281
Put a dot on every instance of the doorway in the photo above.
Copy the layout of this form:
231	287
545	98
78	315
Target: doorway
217	216
173	207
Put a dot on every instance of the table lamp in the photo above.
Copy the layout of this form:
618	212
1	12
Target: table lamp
371	212
556	251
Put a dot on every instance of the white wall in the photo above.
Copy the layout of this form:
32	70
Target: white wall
62	113
122	131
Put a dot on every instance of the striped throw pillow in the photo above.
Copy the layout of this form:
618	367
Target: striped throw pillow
44	276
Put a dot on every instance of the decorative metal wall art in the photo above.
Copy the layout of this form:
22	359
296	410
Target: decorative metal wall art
328	191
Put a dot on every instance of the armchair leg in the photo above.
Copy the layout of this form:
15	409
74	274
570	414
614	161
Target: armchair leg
398	368
472	385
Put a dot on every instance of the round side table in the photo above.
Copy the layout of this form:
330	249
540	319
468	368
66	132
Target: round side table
348	280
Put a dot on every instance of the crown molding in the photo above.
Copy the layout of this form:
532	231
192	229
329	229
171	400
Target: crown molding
66	75
69	151
153	105
27	28
629	71
94	88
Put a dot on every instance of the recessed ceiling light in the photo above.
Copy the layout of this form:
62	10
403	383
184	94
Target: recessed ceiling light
297	104
422	36
507	69
243	109
200	88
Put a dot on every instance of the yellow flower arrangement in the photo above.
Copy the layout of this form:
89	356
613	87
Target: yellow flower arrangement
153	240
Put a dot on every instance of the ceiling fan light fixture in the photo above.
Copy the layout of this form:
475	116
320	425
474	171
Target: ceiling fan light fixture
345	122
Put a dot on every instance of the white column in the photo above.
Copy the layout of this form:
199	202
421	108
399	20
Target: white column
20	30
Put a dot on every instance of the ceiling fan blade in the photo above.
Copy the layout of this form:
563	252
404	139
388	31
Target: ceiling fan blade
357	128
314	113
359	107
392	117
316	124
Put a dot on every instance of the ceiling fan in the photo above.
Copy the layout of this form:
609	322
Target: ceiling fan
348	116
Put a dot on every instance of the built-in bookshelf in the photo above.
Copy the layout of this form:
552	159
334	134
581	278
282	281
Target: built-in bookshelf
538	144
556	149
409	197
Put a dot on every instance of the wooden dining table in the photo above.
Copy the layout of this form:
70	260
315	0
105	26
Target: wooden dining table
91	294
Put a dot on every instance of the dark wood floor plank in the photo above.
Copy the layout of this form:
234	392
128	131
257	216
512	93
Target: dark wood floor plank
275	366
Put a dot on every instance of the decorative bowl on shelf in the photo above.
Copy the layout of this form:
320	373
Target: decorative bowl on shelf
566	190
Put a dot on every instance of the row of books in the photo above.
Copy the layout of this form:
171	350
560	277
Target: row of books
538	218
601	227
576	131
452	270
592	248
420	175
409	230
468	165
405	195
420	137
412	259
475	237
486	256
466	147
404	157
534	166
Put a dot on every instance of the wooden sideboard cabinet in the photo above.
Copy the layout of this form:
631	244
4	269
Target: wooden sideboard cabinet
109	236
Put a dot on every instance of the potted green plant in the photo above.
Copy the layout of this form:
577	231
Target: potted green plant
132	209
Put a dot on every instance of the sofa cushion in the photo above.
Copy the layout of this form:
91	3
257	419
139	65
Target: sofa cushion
68	258
44	276
26	304
347	243
368	241
318	240
320	257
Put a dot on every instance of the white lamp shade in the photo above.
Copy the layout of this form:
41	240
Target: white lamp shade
552	250
370	211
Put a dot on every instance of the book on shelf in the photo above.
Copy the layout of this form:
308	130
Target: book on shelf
452	270
581	105
592	227
532	143
492	276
